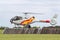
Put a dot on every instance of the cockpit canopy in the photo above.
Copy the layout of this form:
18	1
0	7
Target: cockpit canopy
15	18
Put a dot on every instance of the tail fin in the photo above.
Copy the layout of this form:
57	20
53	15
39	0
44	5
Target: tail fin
55	16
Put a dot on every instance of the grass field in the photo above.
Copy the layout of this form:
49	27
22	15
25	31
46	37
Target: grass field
29	36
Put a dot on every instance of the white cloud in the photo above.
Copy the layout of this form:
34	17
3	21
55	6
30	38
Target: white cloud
12	1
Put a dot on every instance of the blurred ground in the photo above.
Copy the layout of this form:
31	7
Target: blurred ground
29	36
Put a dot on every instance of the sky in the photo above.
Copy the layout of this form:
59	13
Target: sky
11	8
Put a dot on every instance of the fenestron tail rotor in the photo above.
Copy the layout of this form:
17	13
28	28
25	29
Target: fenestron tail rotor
53	20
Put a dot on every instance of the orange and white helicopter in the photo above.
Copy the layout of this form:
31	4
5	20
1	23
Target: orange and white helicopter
18	20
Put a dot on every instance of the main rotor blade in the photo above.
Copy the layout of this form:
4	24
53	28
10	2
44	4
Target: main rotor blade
33	13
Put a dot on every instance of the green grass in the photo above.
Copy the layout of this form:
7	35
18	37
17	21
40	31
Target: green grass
29	36
1	31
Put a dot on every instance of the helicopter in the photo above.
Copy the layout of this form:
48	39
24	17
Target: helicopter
18	20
